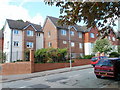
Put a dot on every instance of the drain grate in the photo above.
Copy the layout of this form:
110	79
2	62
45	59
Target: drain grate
56	79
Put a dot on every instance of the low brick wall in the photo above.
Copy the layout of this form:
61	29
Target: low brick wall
29	67
51	66
16	68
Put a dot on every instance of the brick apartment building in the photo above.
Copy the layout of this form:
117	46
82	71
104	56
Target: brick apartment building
82	39
20	36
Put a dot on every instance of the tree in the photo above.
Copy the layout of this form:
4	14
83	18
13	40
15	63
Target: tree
101	14
102	45
119	49
2	57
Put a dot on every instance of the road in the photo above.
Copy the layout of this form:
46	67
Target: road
74	79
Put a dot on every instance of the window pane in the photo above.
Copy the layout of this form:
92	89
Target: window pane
80	35
29	33
63	32
72	44
92	35
72	33
80	45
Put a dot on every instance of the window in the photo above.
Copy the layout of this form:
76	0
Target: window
29	44
92	45
15	31
109	37
113	38
96	35
29	33
64	42
38	34
72	44
49	34
16	43
80	35
80	45
63	32
71	33
49	44
92	35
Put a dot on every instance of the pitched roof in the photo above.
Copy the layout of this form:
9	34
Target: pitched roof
13	24
78	28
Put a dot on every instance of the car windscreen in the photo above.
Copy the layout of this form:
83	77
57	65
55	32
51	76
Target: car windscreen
105	63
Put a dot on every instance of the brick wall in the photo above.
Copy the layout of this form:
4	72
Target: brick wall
28	39
87	35
49	27
74	39
16	68
1	44
51	66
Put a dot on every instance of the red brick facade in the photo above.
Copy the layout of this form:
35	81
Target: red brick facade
1	44
53	35
87	35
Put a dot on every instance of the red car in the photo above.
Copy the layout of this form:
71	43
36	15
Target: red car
95	59
108	67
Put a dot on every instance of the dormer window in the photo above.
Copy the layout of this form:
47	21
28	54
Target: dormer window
15	31
29	33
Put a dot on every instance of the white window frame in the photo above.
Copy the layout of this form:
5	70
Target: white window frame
109	38
16	32
64	42
72	33
80	45
30	33
38	34
49	34
29	44
63	32
49	44
16	43
72	44
92	35
113	38
80	34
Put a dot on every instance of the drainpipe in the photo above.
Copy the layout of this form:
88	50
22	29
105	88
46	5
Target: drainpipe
11	45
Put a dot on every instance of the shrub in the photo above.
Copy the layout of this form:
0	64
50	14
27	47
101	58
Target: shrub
114	54
88	56
48	55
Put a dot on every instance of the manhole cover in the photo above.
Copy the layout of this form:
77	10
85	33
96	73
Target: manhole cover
39	86
57	79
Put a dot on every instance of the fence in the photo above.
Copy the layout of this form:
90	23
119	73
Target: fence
14	56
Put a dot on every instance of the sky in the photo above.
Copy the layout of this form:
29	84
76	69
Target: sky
34	11
26	10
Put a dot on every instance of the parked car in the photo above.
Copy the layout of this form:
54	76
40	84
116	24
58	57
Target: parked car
95	59
108	67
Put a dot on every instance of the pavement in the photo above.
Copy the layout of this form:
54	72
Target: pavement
10	78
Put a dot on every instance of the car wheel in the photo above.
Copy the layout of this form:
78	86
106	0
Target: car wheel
98	76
